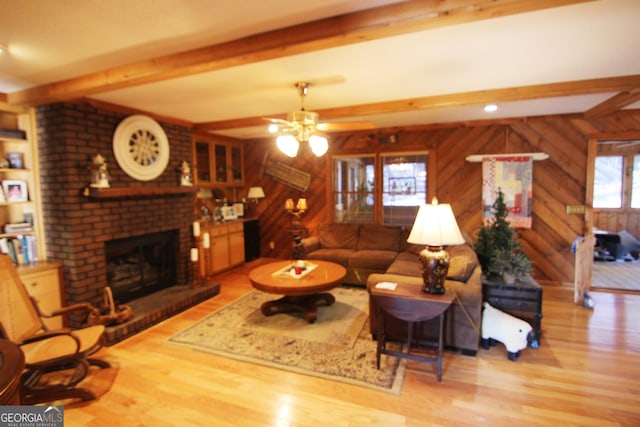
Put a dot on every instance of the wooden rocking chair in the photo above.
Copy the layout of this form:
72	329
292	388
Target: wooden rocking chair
55	360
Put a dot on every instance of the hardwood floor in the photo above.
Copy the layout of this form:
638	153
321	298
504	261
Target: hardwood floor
586	372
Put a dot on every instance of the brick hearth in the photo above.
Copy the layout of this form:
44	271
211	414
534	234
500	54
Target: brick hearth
76	227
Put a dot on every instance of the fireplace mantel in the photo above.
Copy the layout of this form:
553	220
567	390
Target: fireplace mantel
129	192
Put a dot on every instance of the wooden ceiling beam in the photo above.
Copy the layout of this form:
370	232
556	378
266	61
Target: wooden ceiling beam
613	104
580	87
370	24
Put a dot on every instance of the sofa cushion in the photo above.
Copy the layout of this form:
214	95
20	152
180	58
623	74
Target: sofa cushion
339	256
372	259
462	261
406	263
379	237
338	236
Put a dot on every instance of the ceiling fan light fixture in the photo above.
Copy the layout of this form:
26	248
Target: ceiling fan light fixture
319	145
288	144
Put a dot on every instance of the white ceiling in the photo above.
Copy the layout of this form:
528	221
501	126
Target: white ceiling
50	41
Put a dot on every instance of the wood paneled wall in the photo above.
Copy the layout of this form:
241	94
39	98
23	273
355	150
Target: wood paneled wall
557	182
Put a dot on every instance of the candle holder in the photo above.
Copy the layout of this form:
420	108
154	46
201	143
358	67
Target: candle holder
195	264
206	249
297	211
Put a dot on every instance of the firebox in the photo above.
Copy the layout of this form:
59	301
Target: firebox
141	265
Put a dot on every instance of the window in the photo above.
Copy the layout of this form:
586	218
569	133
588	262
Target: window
607	188
635	183
404	187
385	188
353	185
617	182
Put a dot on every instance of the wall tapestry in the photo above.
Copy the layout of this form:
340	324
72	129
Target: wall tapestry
512	175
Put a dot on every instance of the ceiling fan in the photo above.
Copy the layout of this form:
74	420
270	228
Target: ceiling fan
304	126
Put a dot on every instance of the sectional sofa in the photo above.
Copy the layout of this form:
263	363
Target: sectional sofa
374	253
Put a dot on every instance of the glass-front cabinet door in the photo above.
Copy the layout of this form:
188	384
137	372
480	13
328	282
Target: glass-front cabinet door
220	161
237	166
217	162
202	162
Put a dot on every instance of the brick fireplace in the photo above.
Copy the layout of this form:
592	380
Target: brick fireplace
77	227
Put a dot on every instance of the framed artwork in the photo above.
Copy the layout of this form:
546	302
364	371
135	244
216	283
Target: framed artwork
15	190
16	160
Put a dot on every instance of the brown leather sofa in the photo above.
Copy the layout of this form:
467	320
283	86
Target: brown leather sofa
374	253
362	249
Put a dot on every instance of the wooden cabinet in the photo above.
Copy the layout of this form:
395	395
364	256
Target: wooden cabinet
20	191
226	248
42	281
217	161
523	299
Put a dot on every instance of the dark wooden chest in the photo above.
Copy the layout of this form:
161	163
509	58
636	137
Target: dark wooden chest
522	299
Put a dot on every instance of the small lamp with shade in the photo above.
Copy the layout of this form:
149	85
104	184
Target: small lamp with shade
435	226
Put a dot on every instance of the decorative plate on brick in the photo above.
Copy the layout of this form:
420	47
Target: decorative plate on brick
141	147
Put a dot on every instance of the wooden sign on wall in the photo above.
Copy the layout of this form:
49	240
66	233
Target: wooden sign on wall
286	174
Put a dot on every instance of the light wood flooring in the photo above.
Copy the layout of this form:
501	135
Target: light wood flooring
586	372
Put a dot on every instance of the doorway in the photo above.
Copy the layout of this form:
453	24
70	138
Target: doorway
612	217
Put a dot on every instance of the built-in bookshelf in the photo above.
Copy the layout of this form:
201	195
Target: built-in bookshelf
21	233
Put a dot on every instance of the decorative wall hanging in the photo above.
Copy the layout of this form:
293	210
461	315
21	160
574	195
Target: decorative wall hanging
286	174
141	147
512	175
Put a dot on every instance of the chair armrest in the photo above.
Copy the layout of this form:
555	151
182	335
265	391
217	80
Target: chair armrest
84	306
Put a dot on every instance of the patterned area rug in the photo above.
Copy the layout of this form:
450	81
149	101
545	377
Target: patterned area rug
338	346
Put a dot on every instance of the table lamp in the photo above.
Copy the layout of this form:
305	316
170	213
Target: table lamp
255	193
435	226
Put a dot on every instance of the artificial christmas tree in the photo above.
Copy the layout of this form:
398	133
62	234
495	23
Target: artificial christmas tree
497	246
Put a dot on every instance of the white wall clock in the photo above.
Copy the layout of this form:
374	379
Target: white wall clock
141	147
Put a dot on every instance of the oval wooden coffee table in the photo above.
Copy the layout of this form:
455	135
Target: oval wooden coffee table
304	293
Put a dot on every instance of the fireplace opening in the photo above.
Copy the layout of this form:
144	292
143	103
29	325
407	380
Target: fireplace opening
141	265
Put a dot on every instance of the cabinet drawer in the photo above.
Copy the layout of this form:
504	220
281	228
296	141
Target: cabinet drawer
219	230
509	292
44	287
236	227
514	304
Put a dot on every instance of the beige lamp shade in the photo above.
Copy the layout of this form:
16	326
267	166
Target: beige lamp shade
302	205
435	225
255	193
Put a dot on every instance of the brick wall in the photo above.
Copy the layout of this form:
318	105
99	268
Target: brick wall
76	228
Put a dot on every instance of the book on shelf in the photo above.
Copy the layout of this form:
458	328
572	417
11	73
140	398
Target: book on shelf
18	227
22	249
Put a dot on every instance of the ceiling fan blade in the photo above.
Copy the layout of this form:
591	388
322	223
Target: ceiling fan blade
274	120
344	126
621	143
629	144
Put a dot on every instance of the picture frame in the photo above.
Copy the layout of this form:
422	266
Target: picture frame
15	190
16	160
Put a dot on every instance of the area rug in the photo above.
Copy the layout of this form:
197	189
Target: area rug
618	275
338	346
